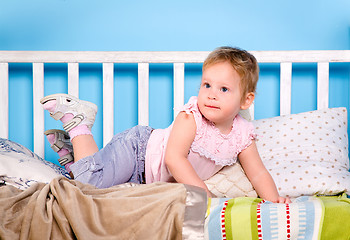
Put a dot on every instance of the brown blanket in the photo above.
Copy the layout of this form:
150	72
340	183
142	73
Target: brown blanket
68	209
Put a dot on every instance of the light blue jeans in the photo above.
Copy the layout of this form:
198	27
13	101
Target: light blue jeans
121	160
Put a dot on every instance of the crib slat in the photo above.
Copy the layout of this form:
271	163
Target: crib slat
73	79
108	102
4	100
38	111
322	85
286	88
179	86
251	111
143	93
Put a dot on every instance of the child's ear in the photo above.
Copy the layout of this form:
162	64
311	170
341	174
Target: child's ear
248	100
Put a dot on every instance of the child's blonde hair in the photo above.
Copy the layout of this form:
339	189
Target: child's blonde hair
242	61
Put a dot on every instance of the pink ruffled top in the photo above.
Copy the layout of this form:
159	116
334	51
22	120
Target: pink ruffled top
209	152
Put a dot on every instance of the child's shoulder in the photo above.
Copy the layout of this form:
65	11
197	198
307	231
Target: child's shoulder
243	125
191	105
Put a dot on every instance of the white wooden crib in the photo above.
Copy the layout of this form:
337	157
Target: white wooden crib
295	162
143	59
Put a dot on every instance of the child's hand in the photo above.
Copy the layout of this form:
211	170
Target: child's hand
283	200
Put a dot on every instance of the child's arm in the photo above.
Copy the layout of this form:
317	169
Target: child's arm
179	143
259	176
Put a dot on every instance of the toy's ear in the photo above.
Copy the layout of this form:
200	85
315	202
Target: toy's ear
248	100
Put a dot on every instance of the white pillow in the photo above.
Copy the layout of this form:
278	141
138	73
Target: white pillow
231	182
306	153
21	167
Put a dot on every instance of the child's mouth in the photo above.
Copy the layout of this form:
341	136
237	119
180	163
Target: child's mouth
213	107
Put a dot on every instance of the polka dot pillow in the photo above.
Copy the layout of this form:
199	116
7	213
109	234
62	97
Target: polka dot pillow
306	153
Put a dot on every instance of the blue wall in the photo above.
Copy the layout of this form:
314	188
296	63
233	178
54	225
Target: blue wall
156	25
173	25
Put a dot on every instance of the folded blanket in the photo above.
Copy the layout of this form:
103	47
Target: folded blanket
252	218
68	209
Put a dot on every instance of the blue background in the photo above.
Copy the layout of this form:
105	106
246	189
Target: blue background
180	25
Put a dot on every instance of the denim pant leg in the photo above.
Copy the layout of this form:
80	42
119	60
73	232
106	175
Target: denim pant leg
120	161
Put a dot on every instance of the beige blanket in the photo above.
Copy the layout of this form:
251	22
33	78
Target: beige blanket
68	209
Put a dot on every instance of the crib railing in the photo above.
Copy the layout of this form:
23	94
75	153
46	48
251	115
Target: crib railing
143	59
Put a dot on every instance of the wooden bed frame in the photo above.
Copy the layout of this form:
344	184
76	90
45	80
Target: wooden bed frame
143	59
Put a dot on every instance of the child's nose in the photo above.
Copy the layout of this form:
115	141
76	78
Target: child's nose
212	95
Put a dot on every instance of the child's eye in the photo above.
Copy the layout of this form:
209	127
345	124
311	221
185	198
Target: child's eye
206	85
223	89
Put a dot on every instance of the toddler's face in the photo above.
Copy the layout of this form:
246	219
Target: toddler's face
219	98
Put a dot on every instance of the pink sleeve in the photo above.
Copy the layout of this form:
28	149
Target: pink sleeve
247	132
192	107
